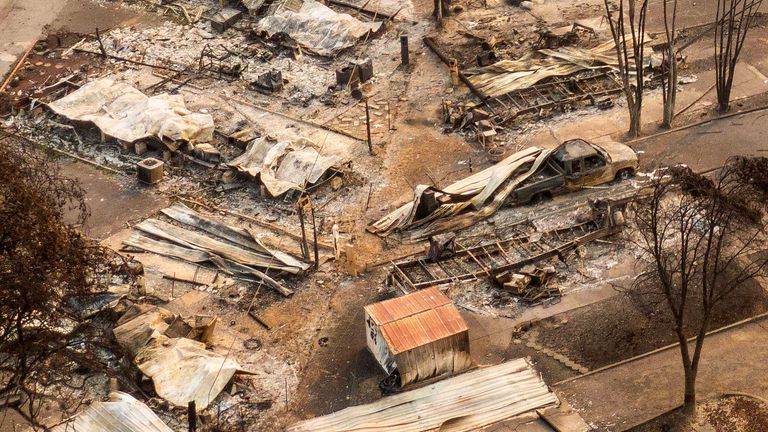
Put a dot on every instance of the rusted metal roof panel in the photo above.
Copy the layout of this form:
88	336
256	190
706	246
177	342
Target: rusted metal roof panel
416	319
465	402
423	328
405	306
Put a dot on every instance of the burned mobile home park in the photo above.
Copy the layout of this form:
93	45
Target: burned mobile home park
383	215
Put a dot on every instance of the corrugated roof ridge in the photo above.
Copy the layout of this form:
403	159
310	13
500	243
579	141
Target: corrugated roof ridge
422	293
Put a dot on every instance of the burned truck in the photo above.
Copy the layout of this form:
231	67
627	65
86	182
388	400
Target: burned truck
577	164
529	175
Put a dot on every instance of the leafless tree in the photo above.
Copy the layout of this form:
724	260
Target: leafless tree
628	31
704	239
669	78
734	18
45	265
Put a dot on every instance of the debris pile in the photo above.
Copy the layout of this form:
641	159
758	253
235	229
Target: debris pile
169	349
233	250
314	26
285	165
530	284
121	111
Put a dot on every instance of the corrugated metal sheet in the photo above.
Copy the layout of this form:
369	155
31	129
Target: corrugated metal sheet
405	306
182	370
486	192
445	356
122	413
423	328
466	402
506	76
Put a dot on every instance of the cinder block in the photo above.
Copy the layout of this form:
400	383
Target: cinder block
361	72
150	170
224	19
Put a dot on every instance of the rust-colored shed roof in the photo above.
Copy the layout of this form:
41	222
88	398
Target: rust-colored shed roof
416	319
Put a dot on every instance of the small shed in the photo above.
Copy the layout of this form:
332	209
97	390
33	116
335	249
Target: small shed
421	334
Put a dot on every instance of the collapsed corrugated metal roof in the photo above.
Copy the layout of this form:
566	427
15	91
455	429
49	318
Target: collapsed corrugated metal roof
416	319
315	26
233	249
181	369
509	75
466	402
285	165
122	413
123	112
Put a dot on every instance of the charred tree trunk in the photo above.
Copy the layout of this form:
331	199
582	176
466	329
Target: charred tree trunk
734	17
669	78
669	89
635	114
629	37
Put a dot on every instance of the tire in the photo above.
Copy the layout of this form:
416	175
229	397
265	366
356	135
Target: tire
540	198
625	174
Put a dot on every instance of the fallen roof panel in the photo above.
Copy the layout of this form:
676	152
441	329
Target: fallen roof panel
184	371
122	413
465	402
483	193
315	26
123	112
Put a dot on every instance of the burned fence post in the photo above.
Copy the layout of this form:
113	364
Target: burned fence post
101	44
192	416
304	247
454	66
368	127
404	53
314	235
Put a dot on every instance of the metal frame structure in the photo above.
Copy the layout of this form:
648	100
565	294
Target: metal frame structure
556	94
490	259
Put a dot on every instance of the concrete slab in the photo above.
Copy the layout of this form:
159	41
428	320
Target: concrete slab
21	24
112	203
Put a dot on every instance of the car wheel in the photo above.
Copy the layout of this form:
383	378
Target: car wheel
625	174
539	198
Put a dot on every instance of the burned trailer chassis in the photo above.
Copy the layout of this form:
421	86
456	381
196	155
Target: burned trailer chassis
558	94
491	259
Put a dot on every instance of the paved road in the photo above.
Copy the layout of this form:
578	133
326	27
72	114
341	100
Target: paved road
21	24
733	360
710	144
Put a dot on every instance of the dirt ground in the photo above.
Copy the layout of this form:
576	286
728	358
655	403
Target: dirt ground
626	326
726	414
